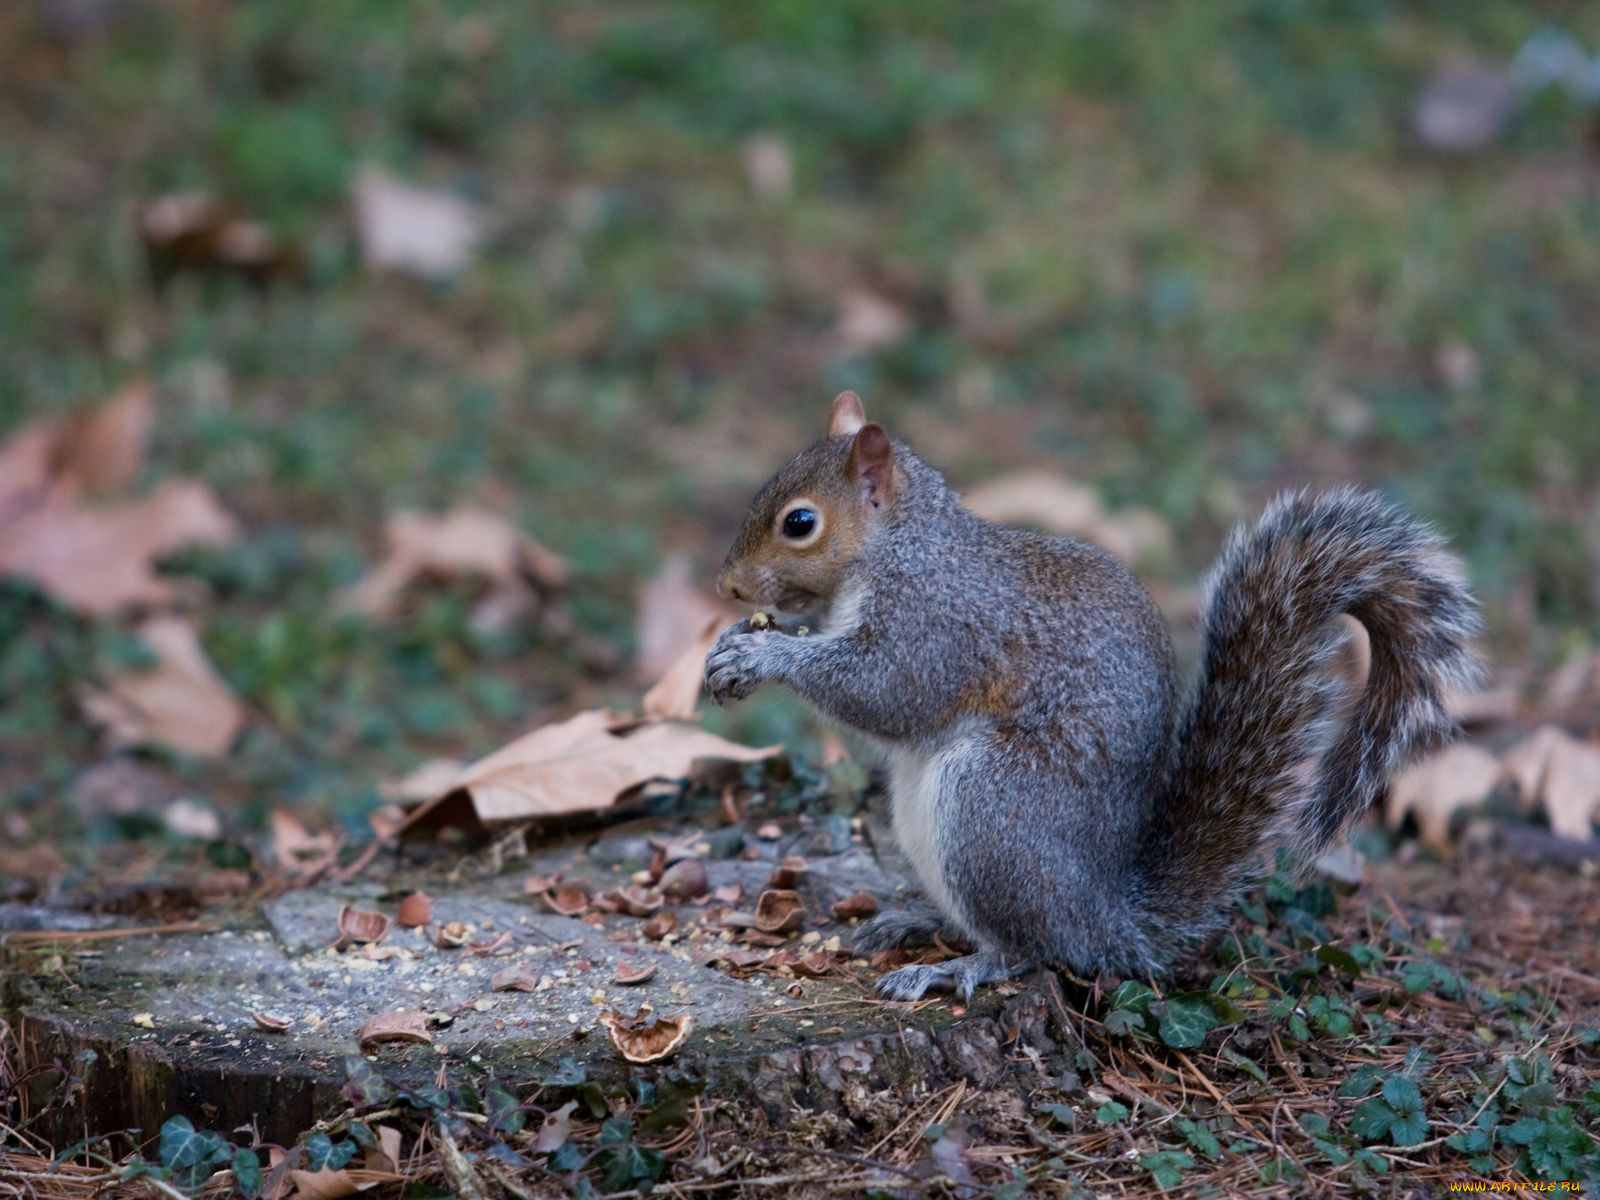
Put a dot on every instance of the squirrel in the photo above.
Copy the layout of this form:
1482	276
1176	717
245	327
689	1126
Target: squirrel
1057	800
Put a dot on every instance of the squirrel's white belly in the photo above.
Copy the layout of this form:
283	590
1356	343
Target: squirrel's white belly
917	781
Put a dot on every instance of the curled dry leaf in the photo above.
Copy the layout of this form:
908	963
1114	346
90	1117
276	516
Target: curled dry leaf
428	779
360	925
181	702
787	873
104	450
196	231
409	1026
684	880
645	1037
1049	502
515	979
414	910
556	1130
466	541
385	1156
628	973
271	1022
579	765
1459	776
660	925
779	911
1553	768
855	907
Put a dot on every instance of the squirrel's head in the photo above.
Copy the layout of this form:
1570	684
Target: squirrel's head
811	520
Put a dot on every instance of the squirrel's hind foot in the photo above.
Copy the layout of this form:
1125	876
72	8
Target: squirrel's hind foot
903	927
962	975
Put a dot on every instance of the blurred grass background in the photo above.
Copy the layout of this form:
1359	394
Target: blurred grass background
1188	254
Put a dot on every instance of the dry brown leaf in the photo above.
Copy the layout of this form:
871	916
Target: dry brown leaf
182	702
1553	768
1459	776
428	779
409	1026
329	1183
100	560
418	230
195	231
294	847
466	541
578	765
673	610
1049	502
385	1156
676	695
644	1037
104	450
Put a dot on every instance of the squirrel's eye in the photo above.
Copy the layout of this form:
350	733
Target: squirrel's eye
799	523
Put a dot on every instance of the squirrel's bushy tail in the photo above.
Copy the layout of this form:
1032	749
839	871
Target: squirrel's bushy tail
1271	751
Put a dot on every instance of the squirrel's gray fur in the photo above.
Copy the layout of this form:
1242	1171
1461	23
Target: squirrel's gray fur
1023	689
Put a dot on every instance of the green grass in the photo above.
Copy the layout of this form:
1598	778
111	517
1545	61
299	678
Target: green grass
1209	263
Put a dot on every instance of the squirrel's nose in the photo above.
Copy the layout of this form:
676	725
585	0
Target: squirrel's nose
725	587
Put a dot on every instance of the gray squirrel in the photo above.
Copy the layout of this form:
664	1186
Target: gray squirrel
1058	802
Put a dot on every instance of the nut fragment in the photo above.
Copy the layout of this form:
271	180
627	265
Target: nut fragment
684	880
408	1026
359	925
515	979
271	1022
630	973
779	911
761	620
415	909
452	935
569	900
658	926
786	873
861	904
645	1037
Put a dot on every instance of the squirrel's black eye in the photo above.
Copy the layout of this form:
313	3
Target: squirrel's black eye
799	523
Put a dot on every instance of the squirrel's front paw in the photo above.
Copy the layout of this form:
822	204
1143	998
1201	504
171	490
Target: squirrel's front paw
737	664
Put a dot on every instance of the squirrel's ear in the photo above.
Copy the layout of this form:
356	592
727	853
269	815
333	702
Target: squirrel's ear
871	464
847	416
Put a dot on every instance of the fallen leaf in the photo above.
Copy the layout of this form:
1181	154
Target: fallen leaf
1459	776
425	781
674	608
385	1156
100	559
556	1130
779	911
329	1183
104	450
181	702
581	764
465	542
645	1037
417	230
1057	505
1555	769
676	695
409	1026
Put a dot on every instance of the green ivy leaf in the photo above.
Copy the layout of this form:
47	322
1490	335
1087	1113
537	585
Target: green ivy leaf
1185	1023
1132	995
1123	1022
247	1173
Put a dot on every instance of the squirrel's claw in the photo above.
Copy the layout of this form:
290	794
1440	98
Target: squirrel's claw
962	975
733	666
